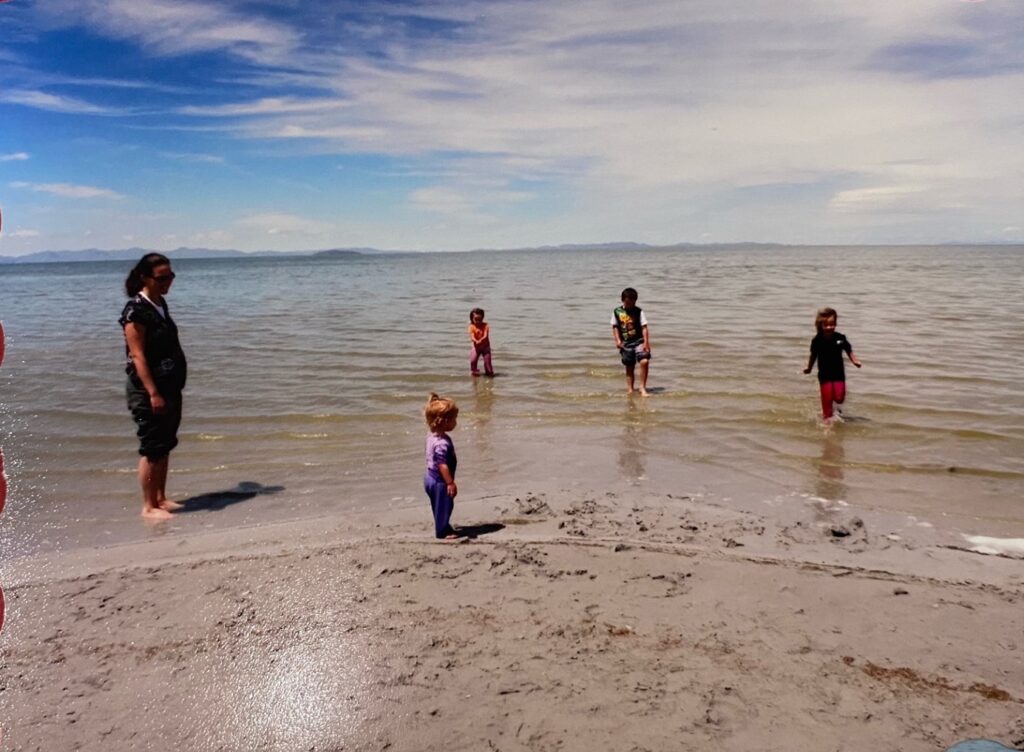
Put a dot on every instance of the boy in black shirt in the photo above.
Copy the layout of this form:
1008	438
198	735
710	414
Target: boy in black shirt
629	328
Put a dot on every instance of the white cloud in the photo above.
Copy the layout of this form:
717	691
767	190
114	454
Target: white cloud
18	156
283	224
197	158
23	234
469	200
662	94
266	106
178	27
890	198
657	121
40	100
68	190
211	238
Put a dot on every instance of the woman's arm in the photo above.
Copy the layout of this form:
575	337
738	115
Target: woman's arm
853	359
135	336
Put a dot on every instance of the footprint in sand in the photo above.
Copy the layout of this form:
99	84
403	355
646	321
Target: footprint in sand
533	505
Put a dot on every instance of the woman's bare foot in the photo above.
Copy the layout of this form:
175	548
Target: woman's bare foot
170	506
155	514
644	392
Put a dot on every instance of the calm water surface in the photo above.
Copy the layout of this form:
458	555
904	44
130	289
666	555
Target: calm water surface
307	377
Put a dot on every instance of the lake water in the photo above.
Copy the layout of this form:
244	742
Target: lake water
308	375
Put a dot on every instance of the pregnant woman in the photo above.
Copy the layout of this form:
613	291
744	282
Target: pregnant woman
156	377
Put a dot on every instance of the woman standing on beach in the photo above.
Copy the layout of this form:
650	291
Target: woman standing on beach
156	370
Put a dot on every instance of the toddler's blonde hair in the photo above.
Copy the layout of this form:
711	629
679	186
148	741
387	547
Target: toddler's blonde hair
438	411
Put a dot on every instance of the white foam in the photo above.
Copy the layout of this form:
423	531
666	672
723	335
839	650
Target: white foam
985	545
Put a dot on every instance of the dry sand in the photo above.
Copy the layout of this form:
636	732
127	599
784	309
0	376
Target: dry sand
584	623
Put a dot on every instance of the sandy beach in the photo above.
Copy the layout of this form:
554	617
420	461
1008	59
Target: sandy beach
569	623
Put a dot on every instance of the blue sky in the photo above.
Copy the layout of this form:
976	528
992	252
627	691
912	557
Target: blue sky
476	123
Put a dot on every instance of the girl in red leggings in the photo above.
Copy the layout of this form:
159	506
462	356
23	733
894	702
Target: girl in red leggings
827	348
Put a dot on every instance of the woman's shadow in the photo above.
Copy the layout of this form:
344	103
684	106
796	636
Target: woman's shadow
217	500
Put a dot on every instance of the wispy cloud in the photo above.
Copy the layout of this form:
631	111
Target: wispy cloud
68	190
267	106
666	94
42	100
196	158
173	27
23	234
18	156
283	224
543	121
454	200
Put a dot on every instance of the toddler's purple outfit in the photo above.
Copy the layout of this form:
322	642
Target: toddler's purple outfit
440	451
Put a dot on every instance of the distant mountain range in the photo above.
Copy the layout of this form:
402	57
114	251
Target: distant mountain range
132	254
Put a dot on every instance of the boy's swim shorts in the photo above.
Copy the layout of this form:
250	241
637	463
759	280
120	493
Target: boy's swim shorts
632	353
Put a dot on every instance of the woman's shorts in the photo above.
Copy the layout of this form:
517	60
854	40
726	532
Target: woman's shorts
631	354
158	434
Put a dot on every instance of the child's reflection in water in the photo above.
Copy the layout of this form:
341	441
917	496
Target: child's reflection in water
829	482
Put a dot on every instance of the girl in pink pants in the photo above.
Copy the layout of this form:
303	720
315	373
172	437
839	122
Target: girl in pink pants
827	349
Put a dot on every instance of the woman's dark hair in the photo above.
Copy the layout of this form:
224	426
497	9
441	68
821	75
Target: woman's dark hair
133	283
475	311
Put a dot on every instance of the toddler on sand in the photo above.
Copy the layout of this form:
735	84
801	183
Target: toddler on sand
439	479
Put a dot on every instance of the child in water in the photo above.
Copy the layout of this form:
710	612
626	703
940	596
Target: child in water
632	338
480	335
439	480
827	348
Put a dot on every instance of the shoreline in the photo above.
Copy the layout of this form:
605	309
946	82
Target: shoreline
37	532
583	621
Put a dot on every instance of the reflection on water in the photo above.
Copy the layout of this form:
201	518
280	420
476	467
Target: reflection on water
632	445
479	422
829	483
483	401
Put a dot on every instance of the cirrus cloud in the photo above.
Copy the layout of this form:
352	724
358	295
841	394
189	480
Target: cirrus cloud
69	190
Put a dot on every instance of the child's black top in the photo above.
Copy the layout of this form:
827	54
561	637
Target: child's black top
829	353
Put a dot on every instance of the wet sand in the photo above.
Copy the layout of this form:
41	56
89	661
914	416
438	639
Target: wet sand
572	622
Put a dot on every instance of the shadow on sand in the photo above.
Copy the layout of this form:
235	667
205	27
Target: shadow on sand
217	500
475	531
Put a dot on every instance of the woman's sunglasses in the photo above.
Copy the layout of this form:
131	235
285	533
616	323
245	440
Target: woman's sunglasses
164	277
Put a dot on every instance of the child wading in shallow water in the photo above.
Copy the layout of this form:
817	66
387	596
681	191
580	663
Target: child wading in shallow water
480	335
439	480
629	328
827	348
